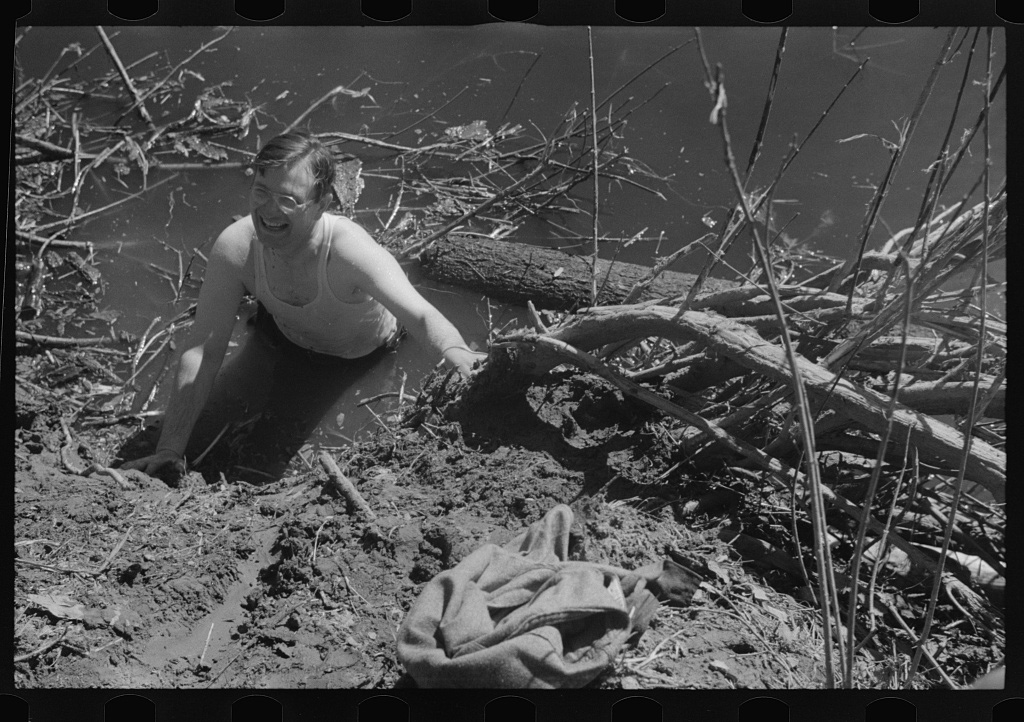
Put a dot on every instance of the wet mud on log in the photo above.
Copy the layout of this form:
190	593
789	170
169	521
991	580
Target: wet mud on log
552	279
599	326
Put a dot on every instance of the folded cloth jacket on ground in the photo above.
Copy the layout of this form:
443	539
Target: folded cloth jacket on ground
521	616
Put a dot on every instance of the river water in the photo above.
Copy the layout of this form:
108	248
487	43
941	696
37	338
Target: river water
510	73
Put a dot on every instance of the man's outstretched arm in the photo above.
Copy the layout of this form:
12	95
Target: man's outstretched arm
382	277
202	354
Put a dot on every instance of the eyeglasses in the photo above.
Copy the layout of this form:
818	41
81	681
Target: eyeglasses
286	203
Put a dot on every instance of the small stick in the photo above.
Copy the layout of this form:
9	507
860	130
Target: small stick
398	203
43	649
155	354
401	390
316	539
177	67
324	98
51	150
111	420
207	645
106	564
913	637
348	585
429	115
212	165
112	473
52	568
78	219
60	341
756	150
522	80
55	242
273	623
345	487
142	347
337	137
206	451
535	319
66	447
387	394
125	77
108	645
77	163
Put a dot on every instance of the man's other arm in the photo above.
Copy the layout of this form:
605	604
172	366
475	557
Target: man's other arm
203	351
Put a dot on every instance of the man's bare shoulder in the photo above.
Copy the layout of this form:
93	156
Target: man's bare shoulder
235	242
346	228
351	240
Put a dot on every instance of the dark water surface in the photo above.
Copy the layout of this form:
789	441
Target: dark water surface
532	76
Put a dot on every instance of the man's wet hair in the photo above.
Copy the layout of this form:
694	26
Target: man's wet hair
289	148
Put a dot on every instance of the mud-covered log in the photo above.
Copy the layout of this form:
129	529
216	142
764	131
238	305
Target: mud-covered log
551	279
781	475
599	326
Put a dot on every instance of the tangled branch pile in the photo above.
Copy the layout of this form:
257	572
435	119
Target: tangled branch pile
864	405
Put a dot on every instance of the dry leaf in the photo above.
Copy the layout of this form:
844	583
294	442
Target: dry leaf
59	605
717	569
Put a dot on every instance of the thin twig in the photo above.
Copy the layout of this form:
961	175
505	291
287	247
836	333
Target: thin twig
596	158
125	77
536	57
213	443
829	601
629	82
429	115
338	90
51	241
872	490
971	415
112	473
43	649
79	218
769	99
420	246
387	394
881	192
918	641
207	645
245	647
173	71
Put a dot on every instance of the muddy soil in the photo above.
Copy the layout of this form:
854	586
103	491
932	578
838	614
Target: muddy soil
217	582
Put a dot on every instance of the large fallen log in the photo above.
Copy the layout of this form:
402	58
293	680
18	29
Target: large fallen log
551	279
559	281
597	327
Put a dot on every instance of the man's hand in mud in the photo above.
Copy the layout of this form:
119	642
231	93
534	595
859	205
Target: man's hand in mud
164	464
464	359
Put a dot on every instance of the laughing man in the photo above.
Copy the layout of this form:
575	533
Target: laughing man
328	287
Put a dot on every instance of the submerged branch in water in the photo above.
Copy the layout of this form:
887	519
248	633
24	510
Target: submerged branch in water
62	342
125	78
